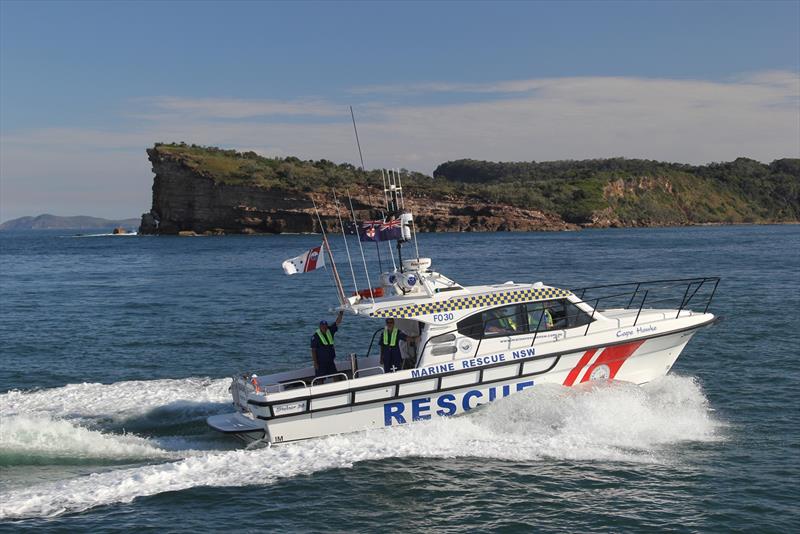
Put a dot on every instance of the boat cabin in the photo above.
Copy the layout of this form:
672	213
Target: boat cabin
450	322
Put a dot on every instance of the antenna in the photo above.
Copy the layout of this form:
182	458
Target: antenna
363	259
358	143
411	222
414	230
385	197
366	184
400	189
391	254
344	236
337	280
391	190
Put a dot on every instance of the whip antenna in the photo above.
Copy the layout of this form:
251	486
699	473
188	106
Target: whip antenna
337	281
366	185
344	236
360	246
358	143
361	157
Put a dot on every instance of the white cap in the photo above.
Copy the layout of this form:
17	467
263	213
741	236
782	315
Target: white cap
254	376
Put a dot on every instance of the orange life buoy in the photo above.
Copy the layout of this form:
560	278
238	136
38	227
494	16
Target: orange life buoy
367	293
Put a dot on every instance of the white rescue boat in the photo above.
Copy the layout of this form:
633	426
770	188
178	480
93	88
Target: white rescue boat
476	344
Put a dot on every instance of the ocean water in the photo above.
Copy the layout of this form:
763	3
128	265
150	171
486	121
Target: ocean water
115	349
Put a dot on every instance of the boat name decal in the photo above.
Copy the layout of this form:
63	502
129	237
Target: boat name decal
479	361
628	332
447	404
289	407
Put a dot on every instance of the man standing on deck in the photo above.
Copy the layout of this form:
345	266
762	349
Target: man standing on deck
322	349
391	359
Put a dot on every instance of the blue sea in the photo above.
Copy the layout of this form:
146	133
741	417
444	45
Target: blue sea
114	350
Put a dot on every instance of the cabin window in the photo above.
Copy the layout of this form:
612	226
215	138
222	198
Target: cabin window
555	315
523	318
504	321
471	326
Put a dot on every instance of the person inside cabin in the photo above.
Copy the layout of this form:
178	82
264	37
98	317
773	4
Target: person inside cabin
549	324
323	351
540	319
499	321
391	358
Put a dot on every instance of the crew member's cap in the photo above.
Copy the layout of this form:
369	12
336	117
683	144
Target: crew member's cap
323	323
254	376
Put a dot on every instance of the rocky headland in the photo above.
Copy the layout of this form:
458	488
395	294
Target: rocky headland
203	190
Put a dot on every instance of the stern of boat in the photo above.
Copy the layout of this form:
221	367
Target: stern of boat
241	423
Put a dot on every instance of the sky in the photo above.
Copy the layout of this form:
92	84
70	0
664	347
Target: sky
87	87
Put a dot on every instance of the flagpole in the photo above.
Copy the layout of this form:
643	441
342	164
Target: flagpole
388	178
360	246
378	249
414	231
340	289
389	243
337	280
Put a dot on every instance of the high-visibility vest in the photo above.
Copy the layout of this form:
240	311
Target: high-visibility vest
326	338
389	342
507	323
548	319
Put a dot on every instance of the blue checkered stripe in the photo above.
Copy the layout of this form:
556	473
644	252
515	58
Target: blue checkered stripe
472	301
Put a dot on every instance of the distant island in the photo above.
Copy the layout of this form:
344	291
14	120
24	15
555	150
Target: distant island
55	222
208	190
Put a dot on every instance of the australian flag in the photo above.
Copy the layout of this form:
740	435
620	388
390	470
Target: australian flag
380	230
391	229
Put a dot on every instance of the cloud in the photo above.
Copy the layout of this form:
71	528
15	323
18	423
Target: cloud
755	115
511	86
227	108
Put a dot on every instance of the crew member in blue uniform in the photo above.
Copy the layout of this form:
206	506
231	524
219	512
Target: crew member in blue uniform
322	348
391	359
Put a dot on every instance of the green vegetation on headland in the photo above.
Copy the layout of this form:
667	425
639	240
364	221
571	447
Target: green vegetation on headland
642	191
600	192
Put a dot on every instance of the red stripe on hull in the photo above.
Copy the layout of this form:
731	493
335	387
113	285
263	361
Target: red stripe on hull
613	357
577	369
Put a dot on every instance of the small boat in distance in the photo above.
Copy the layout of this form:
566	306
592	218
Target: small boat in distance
474	344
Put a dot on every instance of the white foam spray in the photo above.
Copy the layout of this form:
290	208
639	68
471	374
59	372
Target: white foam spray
64	424
118	401
617	422
37	436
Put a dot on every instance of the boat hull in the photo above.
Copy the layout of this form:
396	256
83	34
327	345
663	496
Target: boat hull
638	360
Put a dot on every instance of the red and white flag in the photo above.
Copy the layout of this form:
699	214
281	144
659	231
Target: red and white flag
308	261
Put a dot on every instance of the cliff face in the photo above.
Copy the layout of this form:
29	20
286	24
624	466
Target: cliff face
190	199
210	190
185	199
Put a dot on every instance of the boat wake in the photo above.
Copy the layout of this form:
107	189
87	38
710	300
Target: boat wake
603	422
107	234
41	440
122	401
88	424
